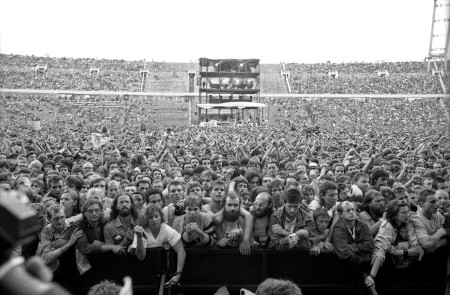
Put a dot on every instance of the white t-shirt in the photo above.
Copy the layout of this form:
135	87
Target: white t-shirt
166	235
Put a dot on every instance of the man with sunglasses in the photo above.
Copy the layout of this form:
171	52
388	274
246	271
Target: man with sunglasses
352	239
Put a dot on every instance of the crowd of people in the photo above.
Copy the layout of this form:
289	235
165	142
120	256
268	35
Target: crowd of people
349	114
358	78
363	191
19	72
24	61
74	79
20	110
421	83
363	179
360	67
327	113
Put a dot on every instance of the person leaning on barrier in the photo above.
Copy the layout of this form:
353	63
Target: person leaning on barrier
195	227
397	237
92	225
56	238
230	230
321	243
153	232
351	238
429	223
291	226
372	210
123	219
262	213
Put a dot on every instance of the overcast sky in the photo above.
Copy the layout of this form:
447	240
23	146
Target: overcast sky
183	30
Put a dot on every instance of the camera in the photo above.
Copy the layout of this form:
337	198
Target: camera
19	225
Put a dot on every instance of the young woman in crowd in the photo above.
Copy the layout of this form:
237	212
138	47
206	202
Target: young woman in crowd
153	232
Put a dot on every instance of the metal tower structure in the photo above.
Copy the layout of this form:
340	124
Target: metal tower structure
440	30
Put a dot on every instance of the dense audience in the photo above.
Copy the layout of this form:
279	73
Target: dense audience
237	188
107	111
362	179
360	78
19	72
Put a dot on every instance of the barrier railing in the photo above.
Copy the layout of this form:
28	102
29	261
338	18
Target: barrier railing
206	270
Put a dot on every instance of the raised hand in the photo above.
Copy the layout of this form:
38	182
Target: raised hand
75	236
139	231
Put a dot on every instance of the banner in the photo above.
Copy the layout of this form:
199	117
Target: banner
36	125
97	140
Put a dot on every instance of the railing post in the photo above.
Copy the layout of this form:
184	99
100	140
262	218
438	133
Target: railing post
264	265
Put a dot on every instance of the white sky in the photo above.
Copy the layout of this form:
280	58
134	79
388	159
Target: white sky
184	30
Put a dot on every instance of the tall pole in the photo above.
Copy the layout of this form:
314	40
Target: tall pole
431	35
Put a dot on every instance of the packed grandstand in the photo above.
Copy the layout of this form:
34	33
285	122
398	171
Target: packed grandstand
329	173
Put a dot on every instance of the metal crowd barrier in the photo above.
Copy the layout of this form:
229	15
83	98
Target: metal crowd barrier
206	270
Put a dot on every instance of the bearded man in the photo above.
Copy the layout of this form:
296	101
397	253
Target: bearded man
230	230
120	230
262	212
373	210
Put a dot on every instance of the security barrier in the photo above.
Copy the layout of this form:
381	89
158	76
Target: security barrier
206	270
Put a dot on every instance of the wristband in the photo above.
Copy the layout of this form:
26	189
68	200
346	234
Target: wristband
177	273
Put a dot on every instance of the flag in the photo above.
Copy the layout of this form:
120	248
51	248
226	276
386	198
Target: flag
97	140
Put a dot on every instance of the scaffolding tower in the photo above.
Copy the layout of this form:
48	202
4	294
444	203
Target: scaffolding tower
439	38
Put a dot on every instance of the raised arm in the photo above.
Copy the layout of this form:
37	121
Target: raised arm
140	248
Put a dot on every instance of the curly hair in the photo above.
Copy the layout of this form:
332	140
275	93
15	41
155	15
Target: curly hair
192	201
148	212
276	286
115	213
105	288
392	210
